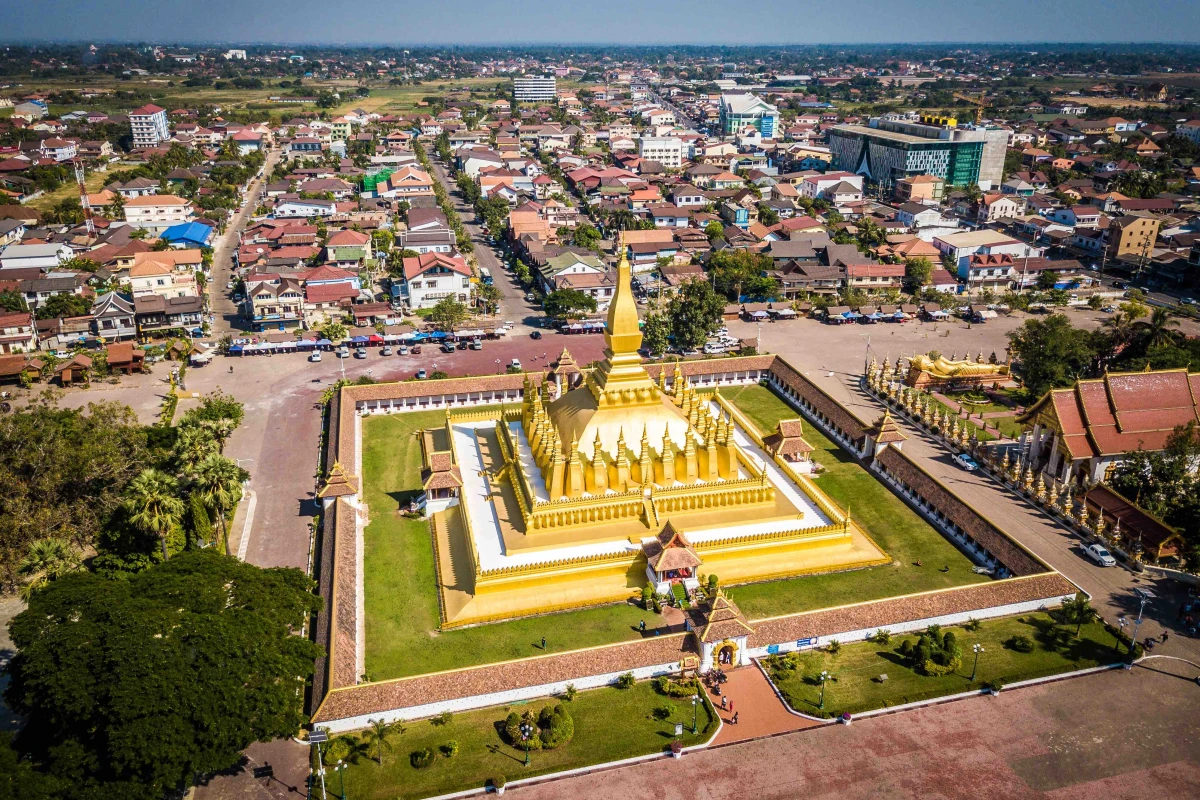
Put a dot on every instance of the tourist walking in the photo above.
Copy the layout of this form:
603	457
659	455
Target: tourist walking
731	705
724	706
735	716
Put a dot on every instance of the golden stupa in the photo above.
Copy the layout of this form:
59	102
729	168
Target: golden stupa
569	489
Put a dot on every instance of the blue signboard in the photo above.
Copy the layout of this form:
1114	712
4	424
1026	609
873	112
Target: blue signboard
773	649
811	642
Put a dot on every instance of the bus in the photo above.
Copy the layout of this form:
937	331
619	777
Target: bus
485	275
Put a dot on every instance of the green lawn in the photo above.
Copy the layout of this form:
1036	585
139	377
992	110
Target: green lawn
895	527
854	684
399	576
610	724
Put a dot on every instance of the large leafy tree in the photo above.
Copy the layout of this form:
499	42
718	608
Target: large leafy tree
695	312
449	313
1051	352
740	273
64	473
134	688
565	303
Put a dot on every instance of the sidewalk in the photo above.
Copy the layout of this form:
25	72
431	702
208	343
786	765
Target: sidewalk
760	711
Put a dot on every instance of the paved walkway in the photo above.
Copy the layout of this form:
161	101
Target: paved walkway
760	711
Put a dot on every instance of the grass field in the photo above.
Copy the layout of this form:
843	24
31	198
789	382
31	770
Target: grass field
895	527
69	190
610	724
402	636
854	684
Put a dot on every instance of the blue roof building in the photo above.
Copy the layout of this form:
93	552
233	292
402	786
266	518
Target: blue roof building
188	234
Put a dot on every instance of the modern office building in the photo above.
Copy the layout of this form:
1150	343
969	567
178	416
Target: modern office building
666	150
534	89
886	151
149	124
740	110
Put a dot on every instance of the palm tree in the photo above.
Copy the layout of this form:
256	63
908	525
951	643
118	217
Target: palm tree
194	444
220	429
219	482
1077	611
47	560
378	735
154	504
1158	327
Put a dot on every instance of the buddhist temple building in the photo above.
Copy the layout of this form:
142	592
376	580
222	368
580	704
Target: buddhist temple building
932	373
721	632
1081	434
787	442
441	480
670	558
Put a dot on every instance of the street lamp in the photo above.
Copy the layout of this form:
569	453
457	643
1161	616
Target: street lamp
1122	622
978	649
1144	596
339	769
823	677
526	732
695	709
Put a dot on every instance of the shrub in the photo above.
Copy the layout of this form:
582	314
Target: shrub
1020	643
557	726
665	686
994	685
625	681
935	653
449	749
663	711
882	636
656	604
423	758
834	647
497	781
647	597
712	584
934	669
442	718
570	692
973	625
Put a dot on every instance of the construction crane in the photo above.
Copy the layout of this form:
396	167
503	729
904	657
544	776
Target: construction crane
981	102
83	196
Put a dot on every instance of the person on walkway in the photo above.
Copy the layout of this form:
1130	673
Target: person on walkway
543	642
231	369
735	716
724	706
731	705
1164	637
642	626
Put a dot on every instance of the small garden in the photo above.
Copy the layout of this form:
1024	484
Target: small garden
890	670
488	747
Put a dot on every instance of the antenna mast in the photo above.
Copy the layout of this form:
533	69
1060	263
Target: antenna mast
83	196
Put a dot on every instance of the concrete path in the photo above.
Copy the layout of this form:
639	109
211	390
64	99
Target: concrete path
760	711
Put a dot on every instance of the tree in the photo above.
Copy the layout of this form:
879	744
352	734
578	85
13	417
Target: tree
695	312
449	313
1046	280
565	303
918	271
714	230
378	734
135	688
1077	611
656	332
334	331
739	273
1051	353
1157	330
973	193
47	560
193	444
382	240
13	301
200	522
154	504
586	235
218	480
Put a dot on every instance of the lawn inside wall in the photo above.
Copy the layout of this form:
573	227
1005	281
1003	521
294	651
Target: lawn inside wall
891	523
610	724
401	604
854	684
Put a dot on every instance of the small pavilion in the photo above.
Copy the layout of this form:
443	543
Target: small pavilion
722	633
670	559
788	443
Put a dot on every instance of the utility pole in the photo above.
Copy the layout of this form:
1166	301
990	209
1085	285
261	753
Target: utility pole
83	196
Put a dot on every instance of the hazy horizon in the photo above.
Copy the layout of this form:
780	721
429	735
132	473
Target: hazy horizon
516	23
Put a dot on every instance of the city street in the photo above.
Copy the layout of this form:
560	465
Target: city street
226	317
513	306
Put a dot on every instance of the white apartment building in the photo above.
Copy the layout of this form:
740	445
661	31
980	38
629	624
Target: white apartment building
149	124
157	212
534	89
666	150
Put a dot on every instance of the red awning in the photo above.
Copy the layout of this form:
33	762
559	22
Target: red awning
375	338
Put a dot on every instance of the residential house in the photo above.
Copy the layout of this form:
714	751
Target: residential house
155	312
994	271
959	247
34	256
156	213
431	277
274	302
928	189
994	207
407	183
348	249
1077	216
428	232
917	215
17	332
307	209
113	317
1131	237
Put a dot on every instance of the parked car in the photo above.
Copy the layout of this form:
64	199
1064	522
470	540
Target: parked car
343	352
386	351
422	374
360	352
516	362
416	350
1109	310
448	347
315	356
476	344
535	335
713	349
1119	284
1100	555
461	344
402	350
1187	301
530	297
966	462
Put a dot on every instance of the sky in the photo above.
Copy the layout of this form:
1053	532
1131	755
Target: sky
625	21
